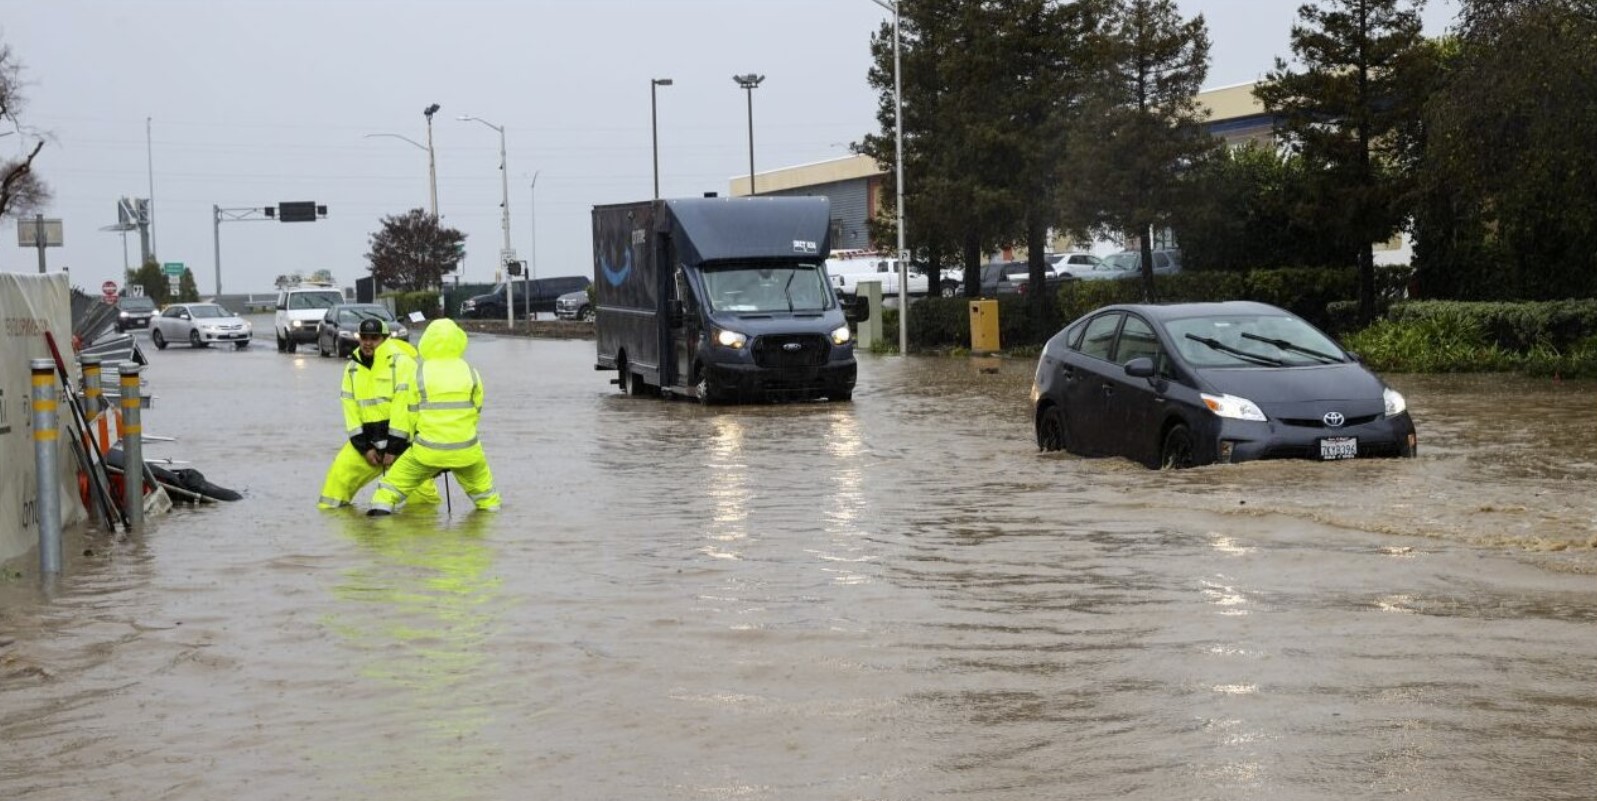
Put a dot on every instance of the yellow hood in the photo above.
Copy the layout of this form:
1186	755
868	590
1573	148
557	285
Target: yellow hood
443	340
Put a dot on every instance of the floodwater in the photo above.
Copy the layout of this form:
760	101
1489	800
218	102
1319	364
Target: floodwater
898	598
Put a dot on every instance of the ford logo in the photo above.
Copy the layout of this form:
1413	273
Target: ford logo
792	346
1334	419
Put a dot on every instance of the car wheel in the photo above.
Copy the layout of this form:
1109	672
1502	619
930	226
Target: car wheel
282	344
1177	451
321	351
950	289
1051	434
194	339
292	346
160	341
241	345
586	314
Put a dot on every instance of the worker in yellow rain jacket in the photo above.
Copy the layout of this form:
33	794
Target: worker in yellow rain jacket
367	396
435	424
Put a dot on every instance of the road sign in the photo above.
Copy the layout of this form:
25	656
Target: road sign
108	289
172	269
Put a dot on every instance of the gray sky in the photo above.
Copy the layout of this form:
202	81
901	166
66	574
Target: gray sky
252	103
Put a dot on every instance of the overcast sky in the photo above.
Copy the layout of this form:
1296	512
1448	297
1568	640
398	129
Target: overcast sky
251	103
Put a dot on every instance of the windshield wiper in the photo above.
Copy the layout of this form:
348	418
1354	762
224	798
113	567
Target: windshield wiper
787	290
1286	345
1256	358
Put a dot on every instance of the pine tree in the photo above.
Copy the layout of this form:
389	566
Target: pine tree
1346	113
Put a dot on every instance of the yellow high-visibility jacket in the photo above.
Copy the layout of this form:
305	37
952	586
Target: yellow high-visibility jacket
440	401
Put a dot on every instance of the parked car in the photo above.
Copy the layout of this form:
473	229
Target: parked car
134	312
1073	262
1198	383
532	295
1128	264
338	333
575	306
199	324
299	313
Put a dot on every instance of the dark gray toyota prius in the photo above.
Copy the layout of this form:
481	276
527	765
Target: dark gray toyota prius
1199	383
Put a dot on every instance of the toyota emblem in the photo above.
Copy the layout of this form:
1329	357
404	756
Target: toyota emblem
1334	419
793	346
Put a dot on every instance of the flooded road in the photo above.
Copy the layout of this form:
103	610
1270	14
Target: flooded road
898	598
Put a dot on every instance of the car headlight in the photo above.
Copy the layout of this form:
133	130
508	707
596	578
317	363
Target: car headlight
124	315
1233	407
1395	403
400	332
841	336
730	339
342	334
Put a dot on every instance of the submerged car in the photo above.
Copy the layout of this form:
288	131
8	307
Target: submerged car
1200	383
199	324
338	332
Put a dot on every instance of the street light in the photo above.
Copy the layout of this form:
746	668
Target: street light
898	161
749	82
432	164
509	253
432	177
532	213
654	130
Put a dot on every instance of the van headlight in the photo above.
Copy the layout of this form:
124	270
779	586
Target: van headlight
841	335
1233	407
1396	404
730	339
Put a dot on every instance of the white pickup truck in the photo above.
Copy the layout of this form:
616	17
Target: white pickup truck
846	274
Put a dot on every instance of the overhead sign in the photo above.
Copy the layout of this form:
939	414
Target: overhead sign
172	269
298	211
30	232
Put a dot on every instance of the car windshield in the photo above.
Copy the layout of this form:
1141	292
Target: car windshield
1251	340
314	300
749	289
355	314
205	310
137	304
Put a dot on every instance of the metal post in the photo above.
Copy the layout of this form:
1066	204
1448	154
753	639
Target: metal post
92	410
149	153
216	243
132	446
432	164
39	239
46	430
532	220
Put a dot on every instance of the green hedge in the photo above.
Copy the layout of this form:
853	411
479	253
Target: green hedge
425	302
1552	338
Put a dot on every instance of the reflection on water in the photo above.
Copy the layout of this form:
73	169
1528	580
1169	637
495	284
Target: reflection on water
418	613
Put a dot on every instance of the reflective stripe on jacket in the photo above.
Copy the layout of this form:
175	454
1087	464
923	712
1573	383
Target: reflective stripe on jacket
441	400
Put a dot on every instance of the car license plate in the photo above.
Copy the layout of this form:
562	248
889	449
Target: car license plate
1339	448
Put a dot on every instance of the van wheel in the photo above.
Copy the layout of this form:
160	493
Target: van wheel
708	395
282	344
292	345
1177	451
624	376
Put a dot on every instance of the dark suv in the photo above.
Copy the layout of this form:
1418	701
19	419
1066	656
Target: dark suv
536	295
133	312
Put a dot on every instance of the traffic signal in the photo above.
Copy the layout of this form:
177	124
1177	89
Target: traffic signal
515	267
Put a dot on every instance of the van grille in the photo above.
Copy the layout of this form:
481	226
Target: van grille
777	350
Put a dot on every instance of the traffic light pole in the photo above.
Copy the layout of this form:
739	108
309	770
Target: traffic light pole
220	215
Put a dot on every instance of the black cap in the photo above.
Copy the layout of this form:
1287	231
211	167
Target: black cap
373	326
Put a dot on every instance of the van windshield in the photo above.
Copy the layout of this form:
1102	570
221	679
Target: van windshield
746	288
315	300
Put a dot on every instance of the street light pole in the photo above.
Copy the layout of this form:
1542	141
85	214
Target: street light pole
749	82
532	218
432	176
898	161
432	164
654	130
509	253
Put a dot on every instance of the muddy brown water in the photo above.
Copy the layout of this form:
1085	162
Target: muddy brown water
897	598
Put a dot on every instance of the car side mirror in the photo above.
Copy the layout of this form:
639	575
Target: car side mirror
1140	367
184	317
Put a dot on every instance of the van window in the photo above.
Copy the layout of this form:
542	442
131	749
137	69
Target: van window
315	300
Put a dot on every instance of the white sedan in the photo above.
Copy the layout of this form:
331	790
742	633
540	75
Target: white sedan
199	324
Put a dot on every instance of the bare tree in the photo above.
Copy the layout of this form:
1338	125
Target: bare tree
21	191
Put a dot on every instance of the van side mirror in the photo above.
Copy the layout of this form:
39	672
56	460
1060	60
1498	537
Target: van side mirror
856	308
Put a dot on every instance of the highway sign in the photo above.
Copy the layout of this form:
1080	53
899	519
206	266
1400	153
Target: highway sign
172	269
